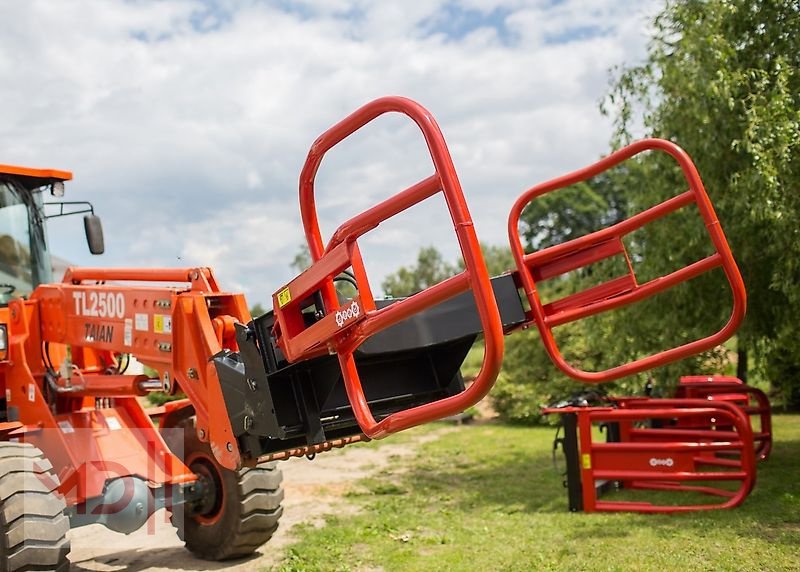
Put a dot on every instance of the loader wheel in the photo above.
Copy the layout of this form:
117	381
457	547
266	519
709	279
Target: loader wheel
32	520
240	510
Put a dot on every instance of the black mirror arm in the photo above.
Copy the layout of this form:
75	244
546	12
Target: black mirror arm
87	208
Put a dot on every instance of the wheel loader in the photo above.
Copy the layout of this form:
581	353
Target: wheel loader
319	371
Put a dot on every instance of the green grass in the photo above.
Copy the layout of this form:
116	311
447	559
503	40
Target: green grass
487	498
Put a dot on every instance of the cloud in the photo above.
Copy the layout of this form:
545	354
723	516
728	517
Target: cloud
187	122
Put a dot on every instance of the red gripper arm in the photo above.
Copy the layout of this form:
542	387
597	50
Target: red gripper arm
341	330
585	250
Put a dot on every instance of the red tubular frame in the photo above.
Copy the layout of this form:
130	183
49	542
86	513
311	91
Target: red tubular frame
634	442
201	278
719	388
298	342
596	246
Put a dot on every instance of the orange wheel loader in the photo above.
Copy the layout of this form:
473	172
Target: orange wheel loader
320	371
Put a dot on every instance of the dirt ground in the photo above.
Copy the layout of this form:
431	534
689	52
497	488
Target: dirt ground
313	489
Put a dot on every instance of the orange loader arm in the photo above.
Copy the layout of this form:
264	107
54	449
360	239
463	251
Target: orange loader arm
172	329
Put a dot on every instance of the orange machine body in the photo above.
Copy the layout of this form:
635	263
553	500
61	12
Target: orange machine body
90	424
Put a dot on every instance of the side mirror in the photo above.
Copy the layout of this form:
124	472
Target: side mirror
94	233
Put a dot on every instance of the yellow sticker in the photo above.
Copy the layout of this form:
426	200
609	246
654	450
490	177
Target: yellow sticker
284	297
158	323
586	459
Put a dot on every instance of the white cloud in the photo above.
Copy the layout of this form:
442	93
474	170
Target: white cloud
190	143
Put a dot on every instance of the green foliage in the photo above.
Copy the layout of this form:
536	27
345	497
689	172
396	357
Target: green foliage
722	79
430	269
302	259
257	310
560	216
160	398
529	381
498	259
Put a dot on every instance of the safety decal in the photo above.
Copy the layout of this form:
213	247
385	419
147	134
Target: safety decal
142	323
113	423
128	333
284	297
66	426
31	392
586	460
162	324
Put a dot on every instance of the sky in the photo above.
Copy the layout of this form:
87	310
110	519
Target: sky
186	122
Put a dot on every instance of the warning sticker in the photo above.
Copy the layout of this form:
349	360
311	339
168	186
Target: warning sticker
162	324
128	333
142	323
284	297
31	392
66	427
113	423
586	460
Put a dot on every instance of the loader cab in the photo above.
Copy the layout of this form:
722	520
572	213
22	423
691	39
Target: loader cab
25	194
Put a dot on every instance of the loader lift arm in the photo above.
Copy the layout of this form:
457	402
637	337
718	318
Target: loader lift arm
172	329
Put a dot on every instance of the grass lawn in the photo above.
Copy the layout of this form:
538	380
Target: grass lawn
486	497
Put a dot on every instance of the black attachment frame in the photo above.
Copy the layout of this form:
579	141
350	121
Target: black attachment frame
274	405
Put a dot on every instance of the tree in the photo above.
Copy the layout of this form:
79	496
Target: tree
722	78
430	269
302	259
498	259
575	211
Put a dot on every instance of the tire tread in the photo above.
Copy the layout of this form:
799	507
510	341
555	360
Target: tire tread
32	520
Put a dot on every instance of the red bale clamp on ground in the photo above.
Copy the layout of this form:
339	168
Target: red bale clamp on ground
704	433
751	400
639	455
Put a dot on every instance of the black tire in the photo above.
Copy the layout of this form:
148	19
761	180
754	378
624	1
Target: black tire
32	520
240	514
